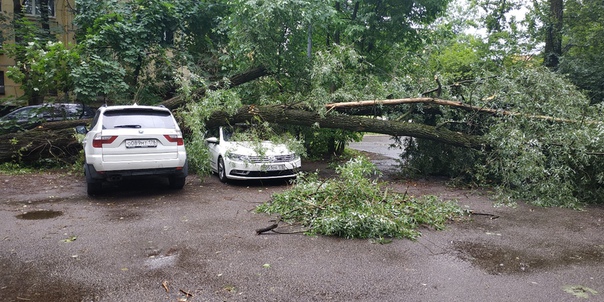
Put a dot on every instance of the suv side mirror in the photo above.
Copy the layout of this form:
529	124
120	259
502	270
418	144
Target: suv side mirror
212	140
81	129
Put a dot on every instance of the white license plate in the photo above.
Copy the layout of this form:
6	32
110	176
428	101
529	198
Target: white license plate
275	167
141	143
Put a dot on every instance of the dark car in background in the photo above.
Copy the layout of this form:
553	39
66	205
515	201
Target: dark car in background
31	116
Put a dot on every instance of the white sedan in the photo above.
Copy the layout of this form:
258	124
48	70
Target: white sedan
245	160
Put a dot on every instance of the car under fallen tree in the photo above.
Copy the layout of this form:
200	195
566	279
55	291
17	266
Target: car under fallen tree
233	157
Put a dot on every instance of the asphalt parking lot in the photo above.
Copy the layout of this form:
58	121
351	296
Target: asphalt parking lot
143	242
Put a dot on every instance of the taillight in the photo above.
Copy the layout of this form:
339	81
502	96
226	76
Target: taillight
175	138
99	140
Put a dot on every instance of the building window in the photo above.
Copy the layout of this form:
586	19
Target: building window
2	83
32	7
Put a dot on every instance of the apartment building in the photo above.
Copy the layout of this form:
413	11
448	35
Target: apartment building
61	15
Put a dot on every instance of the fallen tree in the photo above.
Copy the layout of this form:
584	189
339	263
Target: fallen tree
376	106
282	115
39	143
57	140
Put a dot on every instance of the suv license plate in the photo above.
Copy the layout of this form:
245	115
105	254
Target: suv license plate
141	143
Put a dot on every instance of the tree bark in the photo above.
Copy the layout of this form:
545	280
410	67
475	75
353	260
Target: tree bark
280	115
376	105
38	143
553	35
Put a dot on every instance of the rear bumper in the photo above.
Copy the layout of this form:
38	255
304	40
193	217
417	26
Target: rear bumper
92	173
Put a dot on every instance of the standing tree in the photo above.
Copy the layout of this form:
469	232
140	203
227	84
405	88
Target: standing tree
583	59
553	34
136	39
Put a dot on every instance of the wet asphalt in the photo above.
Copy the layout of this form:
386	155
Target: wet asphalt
141	241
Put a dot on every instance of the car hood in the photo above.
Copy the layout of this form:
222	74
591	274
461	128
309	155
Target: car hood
254	148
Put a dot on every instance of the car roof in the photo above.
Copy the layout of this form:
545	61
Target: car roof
135	106
47	105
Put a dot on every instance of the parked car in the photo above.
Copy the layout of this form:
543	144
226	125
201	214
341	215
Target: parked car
232	158
133	141
31	116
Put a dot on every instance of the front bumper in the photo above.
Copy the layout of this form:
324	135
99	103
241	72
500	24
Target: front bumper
247	171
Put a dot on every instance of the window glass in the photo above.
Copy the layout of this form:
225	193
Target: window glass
32	7
2	90
138	118
244	132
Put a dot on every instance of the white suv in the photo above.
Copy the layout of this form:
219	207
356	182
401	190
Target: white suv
131	141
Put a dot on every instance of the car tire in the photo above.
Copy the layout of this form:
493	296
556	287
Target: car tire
94	187
177	183
221	170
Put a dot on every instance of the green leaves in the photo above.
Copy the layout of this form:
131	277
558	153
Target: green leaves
356	206
580	291
44	67
545	154
134	43
96	76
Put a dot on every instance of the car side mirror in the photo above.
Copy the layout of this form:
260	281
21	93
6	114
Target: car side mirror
81	129
212	140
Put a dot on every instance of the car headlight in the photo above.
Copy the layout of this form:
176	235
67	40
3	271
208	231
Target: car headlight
237	157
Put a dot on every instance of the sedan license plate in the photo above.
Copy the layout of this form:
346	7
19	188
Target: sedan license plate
275	167
141	143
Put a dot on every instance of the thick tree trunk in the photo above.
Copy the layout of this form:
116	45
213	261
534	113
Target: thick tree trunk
38	143
281	115
376	108
553	35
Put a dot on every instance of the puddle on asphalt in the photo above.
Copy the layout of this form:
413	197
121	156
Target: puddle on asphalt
39	215
31	281
498	260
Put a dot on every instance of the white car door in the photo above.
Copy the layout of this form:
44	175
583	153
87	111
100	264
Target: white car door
213	143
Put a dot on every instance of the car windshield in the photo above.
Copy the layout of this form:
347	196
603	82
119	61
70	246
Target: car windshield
241	133
138	118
